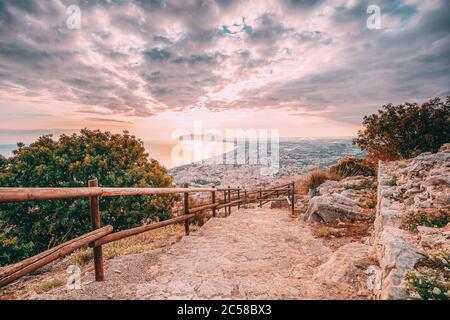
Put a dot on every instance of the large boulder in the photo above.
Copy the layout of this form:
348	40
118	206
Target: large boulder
340	200
332	208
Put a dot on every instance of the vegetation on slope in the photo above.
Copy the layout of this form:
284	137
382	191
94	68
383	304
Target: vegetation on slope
116	160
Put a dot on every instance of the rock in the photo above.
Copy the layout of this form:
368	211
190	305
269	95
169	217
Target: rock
328	187
425	204
331	208
412	191
442	198
279	204
445	148
436	291
418	166
339	200
363	293
344	263
397	256
437	180
331	186
153	269
424	155
434	237
217	289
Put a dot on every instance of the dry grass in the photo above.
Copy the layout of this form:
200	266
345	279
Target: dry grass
340	230
201	217
153	239
370	201
48	285
314	179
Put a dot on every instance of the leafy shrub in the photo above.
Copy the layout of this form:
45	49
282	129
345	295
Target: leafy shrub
366	185
351	166
431	277
116	160
392	182
428	285
405	130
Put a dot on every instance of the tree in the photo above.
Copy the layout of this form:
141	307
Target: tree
116	160
405	130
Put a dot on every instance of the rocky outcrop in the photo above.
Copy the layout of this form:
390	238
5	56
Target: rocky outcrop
339	200
396	255
405	189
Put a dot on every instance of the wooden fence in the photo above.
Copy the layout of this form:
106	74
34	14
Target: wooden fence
102	235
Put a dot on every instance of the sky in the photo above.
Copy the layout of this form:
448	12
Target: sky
310	68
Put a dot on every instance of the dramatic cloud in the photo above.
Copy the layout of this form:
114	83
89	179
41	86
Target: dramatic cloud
141	58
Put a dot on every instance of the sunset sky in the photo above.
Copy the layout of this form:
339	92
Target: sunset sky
308	68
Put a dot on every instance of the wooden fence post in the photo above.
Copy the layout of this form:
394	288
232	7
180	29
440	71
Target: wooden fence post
293	198
213	196
239	197
229	200
245	196
186	210
260	197
94	203
225	201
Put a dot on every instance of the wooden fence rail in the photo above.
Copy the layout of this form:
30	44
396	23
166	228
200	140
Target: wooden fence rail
103	235
15	271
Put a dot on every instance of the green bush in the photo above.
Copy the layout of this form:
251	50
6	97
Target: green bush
406	130
116	160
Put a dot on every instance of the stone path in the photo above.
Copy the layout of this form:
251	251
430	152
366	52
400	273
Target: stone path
252	254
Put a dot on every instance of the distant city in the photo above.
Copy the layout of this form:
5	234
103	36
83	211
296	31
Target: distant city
297	156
